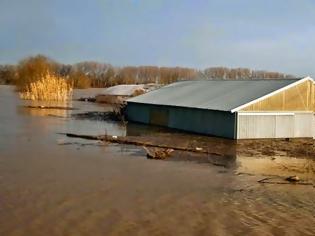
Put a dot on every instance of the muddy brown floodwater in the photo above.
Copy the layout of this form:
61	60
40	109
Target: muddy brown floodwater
87	188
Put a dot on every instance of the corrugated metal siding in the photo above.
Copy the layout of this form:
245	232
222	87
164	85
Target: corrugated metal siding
159	116
138	112
304	123
201	121
251	127
284	126
275	126
209	122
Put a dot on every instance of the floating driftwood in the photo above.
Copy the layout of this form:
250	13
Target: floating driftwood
51	107
131	140
87	99
293	178
158	154
289	180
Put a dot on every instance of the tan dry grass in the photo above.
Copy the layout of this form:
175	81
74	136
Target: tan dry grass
48	88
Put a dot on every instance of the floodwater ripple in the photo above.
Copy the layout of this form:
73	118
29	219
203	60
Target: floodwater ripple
52	189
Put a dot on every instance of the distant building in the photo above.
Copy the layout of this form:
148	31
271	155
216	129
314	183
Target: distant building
236	109
119	93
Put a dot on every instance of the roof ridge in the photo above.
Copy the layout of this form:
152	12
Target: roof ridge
223	95
197	80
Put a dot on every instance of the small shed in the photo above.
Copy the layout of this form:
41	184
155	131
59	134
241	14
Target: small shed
236	109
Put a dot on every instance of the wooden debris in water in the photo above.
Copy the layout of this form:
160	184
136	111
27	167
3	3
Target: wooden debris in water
293	178
87	99
158	153
131	140
51	107
289	180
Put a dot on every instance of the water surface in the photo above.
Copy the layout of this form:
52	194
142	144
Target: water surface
87	188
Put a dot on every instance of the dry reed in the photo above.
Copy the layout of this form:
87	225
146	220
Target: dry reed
49	88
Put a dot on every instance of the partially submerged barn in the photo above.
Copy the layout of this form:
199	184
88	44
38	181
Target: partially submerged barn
237	109
119	93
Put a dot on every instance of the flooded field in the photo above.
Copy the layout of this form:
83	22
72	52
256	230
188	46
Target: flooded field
54	185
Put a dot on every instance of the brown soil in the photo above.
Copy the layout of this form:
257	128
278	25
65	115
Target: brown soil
277	147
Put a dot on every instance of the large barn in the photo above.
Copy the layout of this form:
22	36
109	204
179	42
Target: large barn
237	109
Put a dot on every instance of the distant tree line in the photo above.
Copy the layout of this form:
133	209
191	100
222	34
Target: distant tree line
7	74
94	74
242	73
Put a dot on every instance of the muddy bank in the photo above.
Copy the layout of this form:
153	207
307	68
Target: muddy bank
277	147
220	147
252	148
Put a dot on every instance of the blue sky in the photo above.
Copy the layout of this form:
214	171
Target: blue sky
275	35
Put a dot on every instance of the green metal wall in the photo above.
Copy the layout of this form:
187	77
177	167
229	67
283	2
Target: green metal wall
216	123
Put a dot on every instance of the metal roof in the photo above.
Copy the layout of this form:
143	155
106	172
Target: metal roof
128	89
221	95
122	89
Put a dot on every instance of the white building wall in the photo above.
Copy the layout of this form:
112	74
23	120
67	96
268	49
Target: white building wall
304	125
284	126
253	125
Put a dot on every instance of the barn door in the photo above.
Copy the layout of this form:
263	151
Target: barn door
159	116
265	125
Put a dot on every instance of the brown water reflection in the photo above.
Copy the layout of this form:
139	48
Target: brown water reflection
51	189
260	157
44	112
